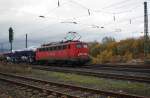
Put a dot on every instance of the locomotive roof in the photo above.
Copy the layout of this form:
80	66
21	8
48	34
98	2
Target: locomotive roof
59	43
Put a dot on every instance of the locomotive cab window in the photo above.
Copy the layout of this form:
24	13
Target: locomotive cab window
85	46
81	45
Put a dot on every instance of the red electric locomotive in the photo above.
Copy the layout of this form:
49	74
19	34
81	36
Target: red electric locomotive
75	52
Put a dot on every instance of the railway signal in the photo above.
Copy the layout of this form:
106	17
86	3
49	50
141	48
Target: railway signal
11	36
146	39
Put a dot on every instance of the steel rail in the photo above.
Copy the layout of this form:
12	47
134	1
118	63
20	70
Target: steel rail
27	81
96	74
115	68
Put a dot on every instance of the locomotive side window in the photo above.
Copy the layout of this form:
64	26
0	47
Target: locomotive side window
49	48
64	46
55	48
40	49
59	47
68	46
79	45
43	49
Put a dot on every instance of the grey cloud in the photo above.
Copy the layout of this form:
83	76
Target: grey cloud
22	15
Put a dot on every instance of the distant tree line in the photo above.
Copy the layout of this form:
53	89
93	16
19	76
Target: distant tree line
111	51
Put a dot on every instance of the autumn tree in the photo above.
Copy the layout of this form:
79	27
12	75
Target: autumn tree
109	50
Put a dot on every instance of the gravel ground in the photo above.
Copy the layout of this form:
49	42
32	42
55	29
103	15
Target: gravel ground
92	82
113	72
4	94
14	91
100	71
8	90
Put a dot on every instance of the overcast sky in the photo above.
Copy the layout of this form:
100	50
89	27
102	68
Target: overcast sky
120	18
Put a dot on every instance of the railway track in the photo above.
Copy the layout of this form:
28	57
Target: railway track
124	69
143	66
120	68
96	73
61	90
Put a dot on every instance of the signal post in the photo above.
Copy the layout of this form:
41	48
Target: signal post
11	34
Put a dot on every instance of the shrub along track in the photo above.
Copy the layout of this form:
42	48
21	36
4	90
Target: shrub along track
48	88
96	73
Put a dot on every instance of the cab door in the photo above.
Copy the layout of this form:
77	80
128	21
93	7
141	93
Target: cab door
71	50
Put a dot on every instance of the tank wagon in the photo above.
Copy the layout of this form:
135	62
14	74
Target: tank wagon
26	56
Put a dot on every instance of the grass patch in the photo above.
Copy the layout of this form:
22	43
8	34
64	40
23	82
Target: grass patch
15	68
102	83
89	81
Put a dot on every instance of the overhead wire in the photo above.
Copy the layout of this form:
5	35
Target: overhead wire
114	13
115	4
90	10
59	5
126	11
102	9
130	20
127	5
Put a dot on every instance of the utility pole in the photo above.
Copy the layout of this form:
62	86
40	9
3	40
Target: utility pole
2	49
146	39
26	41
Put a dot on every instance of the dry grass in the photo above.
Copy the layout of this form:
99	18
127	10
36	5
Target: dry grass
15	68
101	83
